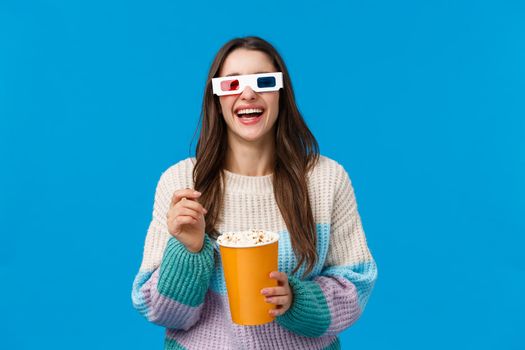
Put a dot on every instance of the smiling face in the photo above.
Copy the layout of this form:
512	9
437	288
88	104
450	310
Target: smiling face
250	115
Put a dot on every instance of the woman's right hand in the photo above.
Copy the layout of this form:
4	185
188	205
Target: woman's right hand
185	219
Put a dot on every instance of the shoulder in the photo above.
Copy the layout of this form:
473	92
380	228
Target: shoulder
328	170
178	175
182	166
327	180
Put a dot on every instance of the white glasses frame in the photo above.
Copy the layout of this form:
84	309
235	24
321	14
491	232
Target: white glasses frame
247	80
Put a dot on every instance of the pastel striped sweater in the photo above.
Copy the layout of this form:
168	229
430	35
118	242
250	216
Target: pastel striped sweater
186	293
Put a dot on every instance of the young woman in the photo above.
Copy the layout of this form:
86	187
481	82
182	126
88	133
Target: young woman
257	165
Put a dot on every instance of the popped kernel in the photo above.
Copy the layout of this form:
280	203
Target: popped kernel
246	238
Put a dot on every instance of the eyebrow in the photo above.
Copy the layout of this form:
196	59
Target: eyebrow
233	74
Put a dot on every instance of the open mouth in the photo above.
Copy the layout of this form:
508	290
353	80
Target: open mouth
251	113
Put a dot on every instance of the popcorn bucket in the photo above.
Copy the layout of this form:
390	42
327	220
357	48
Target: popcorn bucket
247	271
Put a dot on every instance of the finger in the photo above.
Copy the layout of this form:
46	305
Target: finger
280	277
185	220
190	204
187	212
275	291
281	300
187	192
277	311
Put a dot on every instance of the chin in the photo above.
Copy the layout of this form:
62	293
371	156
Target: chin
252	137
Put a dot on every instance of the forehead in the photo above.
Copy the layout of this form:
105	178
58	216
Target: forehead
243	61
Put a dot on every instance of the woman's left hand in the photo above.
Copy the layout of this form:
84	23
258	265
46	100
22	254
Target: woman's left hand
281	295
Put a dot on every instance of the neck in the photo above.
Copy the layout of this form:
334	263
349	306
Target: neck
250	158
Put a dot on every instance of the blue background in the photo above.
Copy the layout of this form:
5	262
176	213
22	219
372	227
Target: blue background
421	101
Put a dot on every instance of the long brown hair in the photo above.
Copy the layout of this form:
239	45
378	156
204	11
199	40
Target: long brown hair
297	152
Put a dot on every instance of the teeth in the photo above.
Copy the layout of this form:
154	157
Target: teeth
248	111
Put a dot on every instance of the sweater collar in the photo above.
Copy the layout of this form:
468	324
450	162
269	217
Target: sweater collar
248	184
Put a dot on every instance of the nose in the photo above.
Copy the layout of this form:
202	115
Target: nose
248	94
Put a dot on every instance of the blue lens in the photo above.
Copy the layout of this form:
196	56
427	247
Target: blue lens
266	82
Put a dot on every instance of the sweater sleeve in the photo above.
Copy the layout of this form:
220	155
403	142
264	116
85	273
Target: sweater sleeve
171	284
336	298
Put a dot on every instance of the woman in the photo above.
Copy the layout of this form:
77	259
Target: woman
258	166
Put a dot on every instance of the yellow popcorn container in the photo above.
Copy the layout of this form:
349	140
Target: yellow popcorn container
246	272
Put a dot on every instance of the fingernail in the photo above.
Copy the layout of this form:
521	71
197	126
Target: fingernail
264	292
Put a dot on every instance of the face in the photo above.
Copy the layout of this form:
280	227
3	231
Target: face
249	127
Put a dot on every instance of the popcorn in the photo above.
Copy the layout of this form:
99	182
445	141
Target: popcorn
248	238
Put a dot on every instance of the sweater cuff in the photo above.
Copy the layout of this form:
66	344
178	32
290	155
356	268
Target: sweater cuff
309	314
185	276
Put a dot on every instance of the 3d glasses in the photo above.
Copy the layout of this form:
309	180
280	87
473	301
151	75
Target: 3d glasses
262	82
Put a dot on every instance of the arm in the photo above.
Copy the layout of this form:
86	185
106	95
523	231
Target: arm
170	286
336	298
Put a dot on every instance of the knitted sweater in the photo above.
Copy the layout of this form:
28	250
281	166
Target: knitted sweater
186	292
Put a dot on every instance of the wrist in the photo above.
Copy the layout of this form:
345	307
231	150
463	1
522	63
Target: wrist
195	248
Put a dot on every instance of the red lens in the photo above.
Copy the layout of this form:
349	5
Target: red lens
229	85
